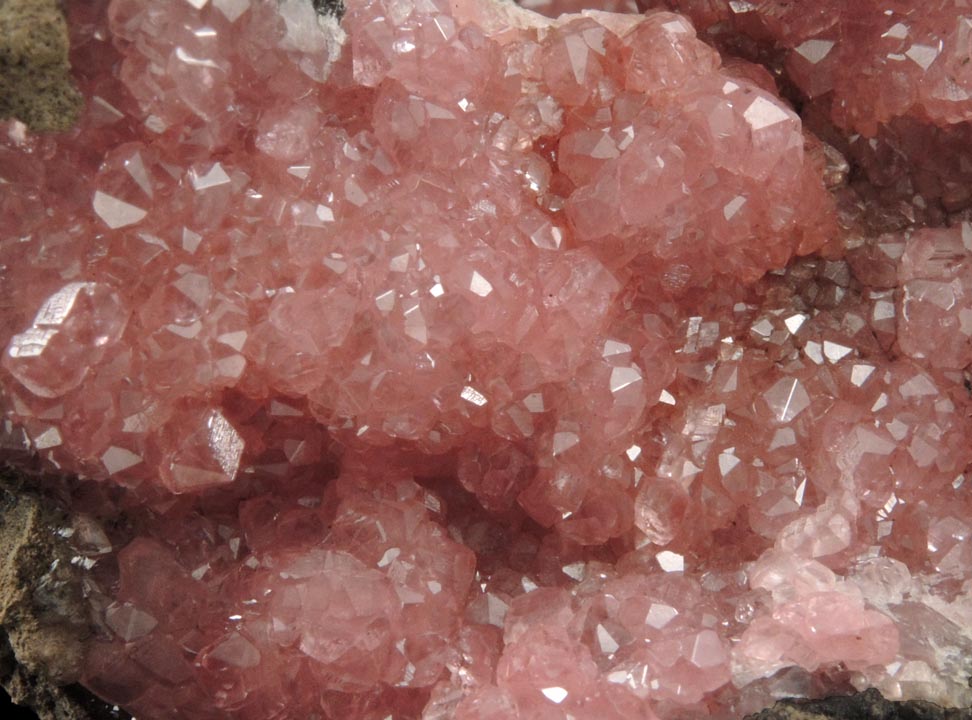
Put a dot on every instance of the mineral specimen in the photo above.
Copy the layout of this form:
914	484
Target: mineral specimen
447	361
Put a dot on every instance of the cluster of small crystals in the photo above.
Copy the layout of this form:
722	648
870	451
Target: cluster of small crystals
881	60
888	83
433	361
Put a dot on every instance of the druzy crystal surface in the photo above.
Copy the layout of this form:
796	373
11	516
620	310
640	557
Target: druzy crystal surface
448	361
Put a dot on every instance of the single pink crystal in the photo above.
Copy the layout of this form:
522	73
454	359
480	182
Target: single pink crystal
451	361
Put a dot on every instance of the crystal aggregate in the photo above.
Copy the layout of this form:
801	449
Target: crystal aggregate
450	361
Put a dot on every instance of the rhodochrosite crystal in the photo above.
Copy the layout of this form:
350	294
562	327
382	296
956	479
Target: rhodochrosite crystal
888	83
447	361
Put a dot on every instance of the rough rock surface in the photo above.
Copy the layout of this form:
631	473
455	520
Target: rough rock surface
868	705
44	620
35	80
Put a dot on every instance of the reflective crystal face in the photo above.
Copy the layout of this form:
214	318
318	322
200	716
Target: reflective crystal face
453	362
890	80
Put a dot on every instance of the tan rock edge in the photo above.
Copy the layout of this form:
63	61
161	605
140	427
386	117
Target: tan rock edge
43	623
35	81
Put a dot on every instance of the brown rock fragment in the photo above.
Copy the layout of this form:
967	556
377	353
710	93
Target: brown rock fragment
35	81
43	616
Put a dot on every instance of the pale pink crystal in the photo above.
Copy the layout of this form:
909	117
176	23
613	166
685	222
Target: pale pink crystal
935	304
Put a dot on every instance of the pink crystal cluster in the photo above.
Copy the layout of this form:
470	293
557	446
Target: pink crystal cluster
888	83
877	60
451	362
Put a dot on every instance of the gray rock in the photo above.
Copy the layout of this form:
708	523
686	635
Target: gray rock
868	705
